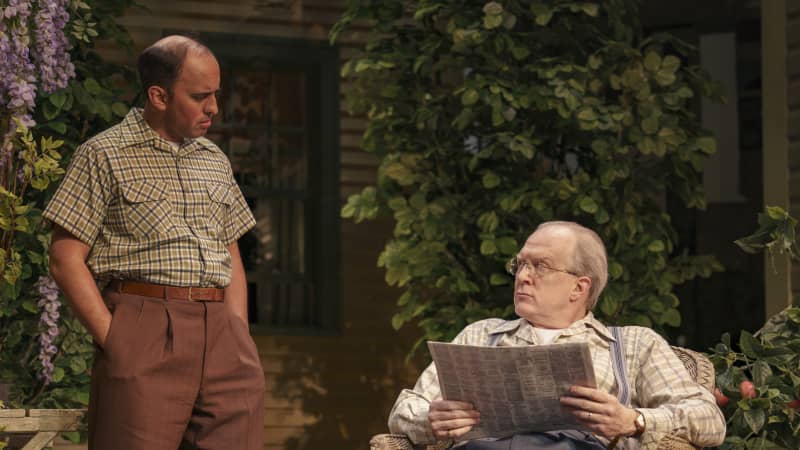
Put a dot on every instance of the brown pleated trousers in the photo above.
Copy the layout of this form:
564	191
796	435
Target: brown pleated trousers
175	374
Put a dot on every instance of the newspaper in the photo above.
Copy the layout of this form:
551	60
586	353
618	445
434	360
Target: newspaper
516	389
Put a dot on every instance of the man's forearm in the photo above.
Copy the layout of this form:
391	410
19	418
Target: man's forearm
236	291
68	269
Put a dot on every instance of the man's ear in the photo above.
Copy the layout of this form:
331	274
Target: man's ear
581	289
158	97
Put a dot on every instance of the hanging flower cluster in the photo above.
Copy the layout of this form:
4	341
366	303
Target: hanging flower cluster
49	56
34	53
48	324
51	53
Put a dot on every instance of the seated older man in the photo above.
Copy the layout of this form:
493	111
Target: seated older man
559	275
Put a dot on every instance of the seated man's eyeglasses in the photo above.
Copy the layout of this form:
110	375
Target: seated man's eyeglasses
516	265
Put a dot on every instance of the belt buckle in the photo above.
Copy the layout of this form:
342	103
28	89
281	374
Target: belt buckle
190	294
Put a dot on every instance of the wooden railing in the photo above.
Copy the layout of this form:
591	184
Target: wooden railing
40	425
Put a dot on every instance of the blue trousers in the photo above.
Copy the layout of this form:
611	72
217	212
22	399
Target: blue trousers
549	440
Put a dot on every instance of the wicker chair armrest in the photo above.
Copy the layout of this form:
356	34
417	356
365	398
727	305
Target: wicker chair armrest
698	365
670	442
401	442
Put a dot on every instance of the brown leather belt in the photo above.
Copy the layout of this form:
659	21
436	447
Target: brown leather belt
194	294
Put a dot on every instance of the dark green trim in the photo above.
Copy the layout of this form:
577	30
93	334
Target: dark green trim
320	62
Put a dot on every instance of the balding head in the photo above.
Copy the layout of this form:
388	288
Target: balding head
160	64
588	257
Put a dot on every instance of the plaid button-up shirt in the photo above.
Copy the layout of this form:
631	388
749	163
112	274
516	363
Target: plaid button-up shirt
660	386
151	211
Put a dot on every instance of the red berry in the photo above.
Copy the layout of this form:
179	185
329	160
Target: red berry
794	404
747	389
721	398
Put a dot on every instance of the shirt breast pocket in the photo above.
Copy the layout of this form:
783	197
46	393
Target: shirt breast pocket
146	209
218	207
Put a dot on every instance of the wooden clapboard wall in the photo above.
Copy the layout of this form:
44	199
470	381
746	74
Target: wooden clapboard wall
793	75
323	392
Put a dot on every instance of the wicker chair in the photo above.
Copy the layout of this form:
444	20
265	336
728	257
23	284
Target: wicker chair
699	367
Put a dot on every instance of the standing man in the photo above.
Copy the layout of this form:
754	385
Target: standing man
145	225
559	275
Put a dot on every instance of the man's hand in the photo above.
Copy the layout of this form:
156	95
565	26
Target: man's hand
450	419
600	412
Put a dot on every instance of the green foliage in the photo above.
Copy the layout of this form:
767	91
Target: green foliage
491	118
770	359
94	99
775	234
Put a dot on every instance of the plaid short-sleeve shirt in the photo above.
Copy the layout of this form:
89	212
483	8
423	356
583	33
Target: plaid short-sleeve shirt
150	211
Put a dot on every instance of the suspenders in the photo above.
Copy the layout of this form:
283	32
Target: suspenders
620	370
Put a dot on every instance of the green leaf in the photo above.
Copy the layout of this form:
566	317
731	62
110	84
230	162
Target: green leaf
58	98
615	270
542	13
499	279
493	9
652	61
488	221
665	78
93	87
491	22
469	97
58	127
58	374
400	173
590	9
507	245
119	109
656	246
488	248
671	317
608	304
49	111
587	204
30	306
587	114
761	372
749	345
77	365
520	53
685	92
650	125
670	64
426	11
397	321
755	419
72	436
647	146
706	144
490	180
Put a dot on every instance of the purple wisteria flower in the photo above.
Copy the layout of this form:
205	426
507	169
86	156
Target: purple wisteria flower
22	60
17	72
51	52
48	325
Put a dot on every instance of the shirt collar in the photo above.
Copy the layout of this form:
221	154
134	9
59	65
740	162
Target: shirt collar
588	322
142	133
579	326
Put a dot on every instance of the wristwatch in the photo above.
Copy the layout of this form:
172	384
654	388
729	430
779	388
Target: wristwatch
639	423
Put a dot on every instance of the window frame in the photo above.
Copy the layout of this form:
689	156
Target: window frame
320	61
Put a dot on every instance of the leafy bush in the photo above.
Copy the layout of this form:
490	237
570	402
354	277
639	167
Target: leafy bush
491	118
44	352
769	416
